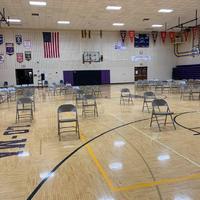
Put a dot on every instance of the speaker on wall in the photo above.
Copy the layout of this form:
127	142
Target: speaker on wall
43	77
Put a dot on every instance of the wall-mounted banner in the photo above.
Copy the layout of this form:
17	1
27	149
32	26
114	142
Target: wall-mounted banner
1	39
172	36
123	35
27	44
163	36
18	39
20	57
10	49
154	36
131	35
28	55
1	58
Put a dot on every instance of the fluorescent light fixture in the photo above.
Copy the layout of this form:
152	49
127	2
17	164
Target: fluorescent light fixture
165	10
113	8
157	25
14	20
38	3
118	24
63	22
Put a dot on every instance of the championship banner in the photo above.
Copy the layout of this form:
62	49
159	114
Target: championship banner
131	35
1	58
123	35
10	49
1	39
20	57
154	36
172	36
27	55
27	44
163	36
194	32
18	39
186	35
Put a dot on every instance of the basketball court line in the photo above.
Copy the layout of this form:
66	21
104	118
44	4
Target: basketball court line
135	186
160	143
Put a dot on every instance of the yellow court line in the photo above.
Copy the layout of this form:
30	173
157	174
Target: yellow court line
136	186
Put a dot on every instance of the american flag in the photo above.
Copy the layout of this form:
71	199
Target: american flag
51	44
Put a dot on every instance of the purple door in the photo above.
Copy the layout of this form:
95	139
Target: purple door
68	77
105	76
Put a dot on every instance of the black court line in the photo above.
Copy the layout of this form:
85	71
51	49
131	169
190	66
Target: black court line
73	152
187	128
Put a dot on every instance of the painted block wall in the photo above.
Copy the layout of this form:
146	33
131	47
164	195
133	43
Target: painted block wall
71	48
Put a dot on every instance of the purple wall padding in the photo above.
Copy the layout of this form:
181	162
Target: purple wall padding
68	77
105	76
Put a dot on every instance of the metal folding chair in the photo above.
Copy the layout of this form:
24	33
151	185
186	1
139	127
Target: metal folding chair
148	98
126	96
89	105
161	109
67	113
24	108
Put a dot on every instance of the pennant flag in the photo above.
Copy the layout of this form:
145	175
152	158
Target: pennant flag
27	55
194	31
186	34
51	45
20	57
123	35
131	35
10	49
172	36
154	36
1	39
1	58
18	39
163	36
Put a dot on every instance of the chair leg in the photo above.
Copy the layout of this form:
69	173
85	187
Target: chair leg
151	120
165	120
157	122
173	122
143	107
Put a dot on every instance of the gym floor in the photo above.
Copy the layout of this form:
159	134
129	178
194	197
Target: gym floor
130	160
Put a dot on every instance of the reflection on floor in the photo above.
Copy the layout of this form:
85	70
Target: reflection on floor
131	161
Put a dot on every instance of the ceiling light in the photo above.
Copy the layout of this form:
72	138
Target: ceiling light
165	10
63	22
118	24
14	20
38	3
113	8
157	25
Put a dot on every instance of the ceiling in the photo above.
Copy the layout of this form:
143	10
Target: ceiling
92	15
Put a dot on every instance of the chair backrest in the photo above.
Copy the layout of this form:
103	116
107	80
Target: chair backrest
28	92
125	90
149	94
67	108
24	100
159	103
5	84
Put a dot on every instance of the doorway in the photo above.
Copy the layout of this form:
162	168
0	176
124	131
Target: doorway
141	73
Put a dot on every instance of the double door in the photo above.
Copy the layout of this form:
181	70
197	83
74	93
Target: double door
141	73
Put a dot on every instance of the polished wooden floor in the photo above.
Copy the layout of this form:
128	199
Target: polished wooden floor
131	162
